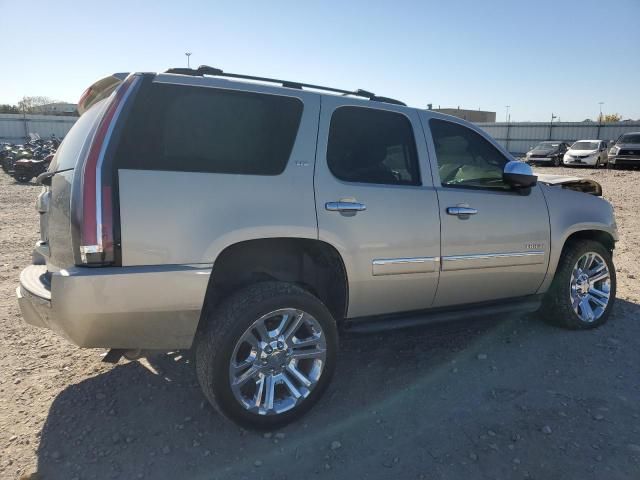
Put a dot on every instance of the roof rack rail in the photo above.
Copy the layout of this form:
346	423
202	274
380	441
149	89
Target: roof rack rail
203	70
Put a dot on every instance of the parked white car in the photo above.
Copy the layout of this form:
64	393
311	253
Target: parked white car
587	152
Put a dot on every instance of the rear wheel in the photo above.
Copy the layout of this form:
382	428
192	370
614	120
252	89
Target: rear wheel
267	354
584	287
22	178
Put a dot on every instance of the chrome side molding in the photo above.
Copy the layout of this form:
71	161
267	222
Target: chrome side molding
397	266
492	260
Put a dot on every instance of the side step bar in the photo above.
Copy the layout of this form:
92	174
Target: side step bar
425	317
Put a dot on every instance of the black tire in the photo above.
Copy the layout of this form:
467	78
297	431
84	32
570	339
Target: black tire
557	307
556	161
224	327
22	178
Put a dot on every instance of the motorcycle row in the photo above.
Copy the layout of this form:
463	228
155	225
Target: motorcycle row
28	160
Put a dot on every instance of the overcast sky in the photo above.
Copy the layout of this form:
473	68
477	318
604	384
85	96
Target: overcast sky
539	57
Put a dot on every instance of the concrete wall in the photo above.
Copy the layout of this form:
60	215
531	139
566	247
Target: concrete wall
14	128
519	137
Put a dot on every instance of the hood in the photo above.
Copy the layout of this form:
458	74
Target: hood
584	185
632	146
581	152
543	151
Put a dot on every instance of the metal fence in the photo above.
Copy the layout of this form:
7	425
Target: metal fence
14	128
519	137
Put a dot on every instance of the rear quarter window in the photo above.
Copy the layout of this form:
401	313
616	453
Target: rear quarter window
201	129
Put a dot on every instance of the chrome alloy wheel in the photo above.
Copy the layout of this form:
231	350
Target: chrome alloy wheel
278	361
590	287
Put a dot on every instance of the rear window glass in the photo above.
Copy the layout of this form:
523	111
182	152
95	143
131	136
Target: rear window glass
69	150
201	129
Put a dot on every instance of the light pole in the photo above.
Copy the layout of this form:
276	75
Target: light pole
506	115
551	125
600	117
188	54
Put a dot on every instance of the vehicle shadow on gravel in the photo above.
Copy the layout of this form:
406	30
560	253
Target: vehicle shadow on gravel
409	400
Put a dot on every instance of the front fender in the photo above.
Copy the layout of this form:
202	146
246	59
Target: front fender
571	212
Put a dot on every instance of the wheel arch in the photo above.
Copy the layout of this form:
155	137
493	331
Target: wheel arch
598	233
315	265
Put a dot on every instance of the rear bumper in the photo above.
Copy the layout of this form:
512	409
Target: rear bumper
119	307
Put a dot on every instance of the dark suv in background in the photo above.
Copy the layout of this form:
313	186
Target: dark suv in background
547	152
626	151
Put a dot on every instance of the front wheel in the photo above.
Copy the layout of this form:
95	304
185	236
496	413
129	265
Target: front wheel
266	354
584	288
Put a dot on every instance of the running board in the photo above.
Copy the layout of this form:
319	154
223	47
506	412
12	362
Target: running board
438	315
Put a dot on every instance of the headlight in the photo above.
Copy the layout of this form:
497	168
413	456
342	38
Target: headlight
614	150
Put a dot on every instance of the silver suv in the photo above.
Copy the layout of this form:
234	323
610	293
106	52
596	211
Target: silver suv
251	218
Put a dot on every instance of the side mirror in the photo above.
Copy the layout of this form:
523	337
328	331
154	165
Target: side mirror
519	175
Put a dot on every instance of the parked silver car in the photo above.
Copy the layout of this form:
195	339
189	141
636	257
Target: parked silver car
251	219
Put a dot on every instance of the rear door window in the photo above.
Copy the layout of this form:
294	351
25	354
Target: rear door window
199	129
368	145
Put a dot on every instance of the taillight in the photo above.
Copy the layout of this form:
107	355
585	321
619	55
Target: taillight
96	227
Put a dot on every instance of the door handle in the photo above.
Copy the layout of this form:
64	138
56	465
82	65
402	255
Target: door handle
345	206
461	211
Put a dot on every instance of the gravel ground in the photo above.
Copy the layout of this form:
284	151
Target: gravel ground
496	398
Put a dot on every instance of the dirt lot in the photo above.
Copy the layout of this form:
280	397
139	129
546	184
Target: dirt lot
497	398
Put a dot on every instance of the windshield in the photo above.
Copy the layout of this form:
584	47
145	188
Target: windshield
630	138
585	146
546	145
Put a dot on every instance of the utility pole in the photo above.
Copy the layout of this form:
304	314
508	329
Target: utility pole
24	120
551	124
188	54
600	119
506	115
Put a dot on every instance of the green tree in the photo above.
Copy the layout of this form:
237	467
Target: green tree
6	108
611	118
31	104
